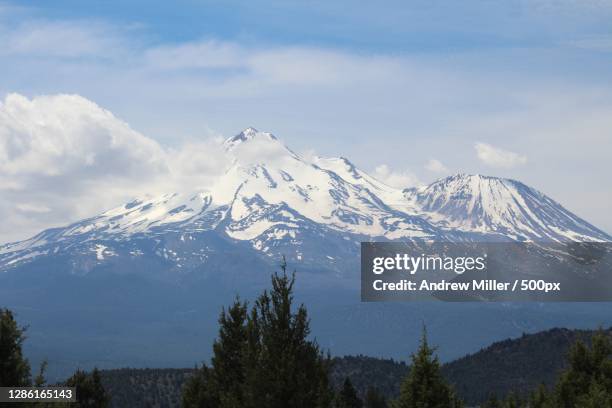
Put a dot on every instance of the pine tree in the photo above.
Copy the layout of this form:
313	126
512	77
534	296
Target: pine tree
512	401
14	367
286	369
540	398
40	379
492	402
588	379
222	384
596	397
374	399
198	391
263	358
347	396
228	362
424	386
89	389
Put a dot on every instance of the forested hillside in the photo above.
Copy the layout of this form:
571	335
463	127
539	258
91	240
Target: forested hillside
147	387
518	365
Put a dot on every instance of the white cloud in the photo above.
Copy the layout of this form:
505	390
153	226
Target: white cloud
57	135
496	157
33	208
310	155
62	158
62	39
436	166
398	179
198	55
598	43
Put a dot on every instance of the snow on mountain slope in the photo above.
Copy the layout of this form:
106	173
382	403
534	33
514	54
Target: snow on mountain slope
267	193
276	202
349	172
321	195
495	205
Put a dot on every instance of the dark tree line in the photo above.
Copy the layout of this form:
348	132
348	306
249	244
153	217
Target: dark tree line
383	375
146	387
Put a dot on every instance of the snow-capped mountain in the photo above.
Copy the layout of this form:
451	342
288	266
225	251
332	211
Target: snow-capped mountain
494	205
142	283
271	201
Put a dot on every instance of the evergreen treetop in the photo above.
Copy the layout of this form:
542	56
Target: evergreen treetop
14	367
263	357
424	386
347	396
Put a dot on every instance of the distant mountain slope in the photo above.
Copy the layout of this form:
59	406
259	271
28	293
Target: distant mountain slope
514	364
502	206
519	365
145	388
383	374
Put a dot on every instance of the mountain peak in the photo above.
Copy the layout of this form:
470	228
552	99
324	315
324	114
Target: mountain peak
473	202
246	135
470	176
473	182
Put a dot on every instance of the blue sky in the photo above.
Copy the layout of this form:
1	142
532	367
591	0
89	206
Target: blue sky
410	91
396	26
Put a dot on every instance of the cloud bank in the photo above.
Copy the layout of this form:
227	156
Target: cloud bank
397	179
436	166
63	157
496	157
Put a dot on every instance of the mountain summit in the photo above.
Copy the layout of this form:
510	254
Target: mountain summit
495	205
247	135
